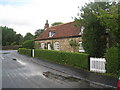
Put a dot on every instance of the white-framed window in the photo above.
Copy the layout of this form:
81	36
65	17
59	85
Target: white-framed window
51	34
56	46
43	45
82	28
81	49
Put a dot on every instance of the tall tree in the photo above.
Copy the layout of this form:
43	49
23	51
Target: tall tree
94	39
56	23
19	39
28	36
8	36
38	32
110	19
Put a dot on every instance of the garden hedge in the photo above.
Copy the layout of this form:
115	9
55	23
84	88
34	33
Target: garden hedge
113	60
25	51
68	58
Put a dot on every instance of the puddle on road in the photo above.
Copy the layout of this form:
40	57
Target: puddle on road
73	80
55	76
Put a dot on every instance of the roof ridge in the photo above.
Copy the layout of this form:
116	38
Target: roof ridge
62	30
60	25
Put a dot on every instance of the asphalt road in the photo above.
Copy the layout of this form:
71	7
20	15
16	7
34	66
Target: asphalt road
18	71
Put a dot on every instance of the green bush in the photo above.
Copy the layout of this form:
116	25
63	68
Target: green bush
25	51
29	44
113	60
68	58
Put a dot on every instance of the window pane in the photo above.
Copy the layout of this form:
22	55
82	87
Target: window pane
56	46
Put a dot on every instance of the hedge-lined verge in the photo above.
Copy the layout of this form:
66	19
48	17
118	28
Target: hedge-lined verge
68	58
25	51
113	60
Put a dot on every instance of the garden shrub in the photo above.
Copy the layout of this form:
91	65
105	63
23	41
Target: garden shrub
113	60
29	44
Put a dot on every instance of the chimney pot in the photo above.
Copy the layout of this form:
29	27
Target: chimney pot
46	25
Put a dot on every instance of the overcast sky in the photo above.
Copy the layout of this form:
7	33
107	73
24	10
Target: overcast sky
29	15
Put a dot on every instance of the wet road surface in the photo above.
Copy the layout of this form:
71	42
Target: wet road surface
18	71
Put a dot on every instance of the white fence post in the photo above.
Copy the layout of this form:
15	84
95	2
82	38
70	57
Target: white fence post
97	65
33	52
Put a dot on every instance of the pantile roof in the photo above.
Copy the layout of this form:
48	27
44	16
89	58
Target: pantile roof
61	31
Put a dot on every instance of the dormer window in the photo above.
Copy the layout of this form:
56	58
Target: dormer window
82	28
51	34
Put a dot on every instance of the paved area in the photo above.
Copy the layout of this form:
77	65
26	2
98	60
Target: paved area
19	71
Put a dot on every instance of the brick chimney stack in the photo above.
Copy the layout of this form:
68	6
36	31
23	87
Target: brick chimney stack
46	25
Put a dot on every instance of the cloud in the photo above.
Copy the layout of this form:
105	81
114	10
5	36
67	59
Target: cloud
31	15
14	2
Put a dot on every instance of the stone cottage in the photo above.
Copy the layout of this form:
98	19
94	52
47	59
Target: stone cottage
58	37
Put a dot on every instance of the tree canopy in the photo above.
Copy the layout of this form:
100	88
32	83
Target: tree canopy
28	36
110	19
100	20
38	32
9	37
56	23
94	39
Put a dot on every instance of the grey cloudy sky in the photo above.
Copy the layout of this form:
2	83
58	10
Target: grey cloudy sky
29	15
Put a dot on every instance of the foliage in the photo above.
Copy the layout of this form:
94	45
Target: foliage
94	39
68	58
29	44
110	19
73	44
19	39
56	23
25	51
9	37
28	36
93	43
113	60
38	32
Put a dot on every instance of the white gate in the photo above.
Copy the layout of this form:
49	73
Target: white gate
97	65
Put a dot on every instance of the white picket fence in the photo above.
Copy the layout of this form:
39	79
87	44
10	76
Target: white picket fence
97	65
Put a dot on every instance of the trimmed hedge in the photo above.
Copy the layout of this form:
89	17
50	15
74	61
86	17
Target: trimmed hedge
113	60
25	51
68	58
